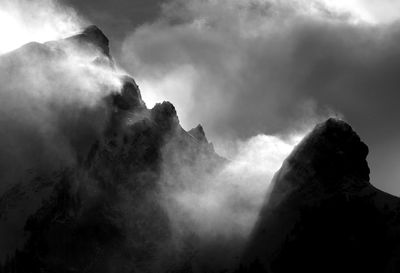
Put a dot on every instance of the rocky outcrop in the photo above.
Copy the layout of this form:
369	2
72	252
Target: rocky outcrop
198	133
322	214
129	97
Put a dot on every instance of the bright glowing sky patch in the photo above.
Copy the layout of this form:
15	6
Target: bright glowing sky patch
24	21
43	20
372	11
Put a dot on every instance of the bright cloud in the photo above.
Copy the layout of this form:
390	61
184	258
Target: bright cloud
25	21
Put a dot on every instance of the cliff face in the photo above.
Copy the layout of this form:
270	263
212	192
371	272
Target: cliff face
322	214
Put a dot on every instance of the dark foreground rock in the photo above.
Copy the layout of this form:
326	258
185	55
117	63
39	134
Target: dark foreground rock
323	215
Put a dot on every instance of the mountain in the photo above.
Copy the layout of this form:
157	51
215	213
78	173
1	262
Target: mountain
94	190
323	214
105	211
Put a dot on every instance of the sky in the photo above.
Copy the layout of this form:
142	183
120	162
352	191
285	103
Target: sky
243	68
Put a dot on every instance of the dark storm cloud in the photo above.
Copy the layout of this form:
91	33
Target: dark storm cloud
232	68
118	17
243	68
355	70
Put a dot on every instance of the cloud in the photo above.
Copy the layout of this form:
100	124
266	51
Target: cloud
52	105
50	94
213	203
227	65
24	21
116	18
226	202
381	11
248	67
252	72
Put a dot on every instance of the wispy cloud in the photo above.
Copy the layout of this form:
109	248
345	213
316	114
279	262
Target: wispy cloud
248	67
24	21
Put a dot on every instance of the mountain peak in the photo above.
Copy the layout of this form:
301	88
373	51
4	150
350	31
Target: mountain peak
165	116
333	151
93	30
94	36
130	97
198	133
319	200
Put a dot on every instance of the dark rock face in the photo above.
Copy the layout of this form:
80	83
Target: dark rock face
323	215
130	96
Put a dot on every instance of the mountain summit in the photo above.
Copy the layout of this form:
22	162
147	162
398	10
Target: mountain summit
322	214
105	211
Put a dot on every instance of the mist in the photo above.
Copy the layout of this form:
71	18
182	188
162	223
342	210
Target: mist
245	68
52	105
229	69
43	100
225	202
232	69
53	109
24	21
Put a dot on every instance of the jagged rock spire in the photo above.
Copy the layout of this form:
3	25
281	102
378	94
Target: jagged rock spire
198	133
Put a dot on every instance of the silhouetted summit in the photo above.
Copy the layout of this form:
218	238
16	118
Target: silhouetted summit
322	214
93	35
332	152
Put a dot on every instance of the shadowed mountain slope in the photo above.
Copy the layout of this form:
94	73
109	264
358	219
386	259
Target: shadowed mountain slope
323	215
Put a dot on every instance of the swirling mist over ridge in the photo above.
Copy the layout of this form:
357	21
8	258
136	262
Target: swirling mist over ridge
50	103
226	202
243	68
